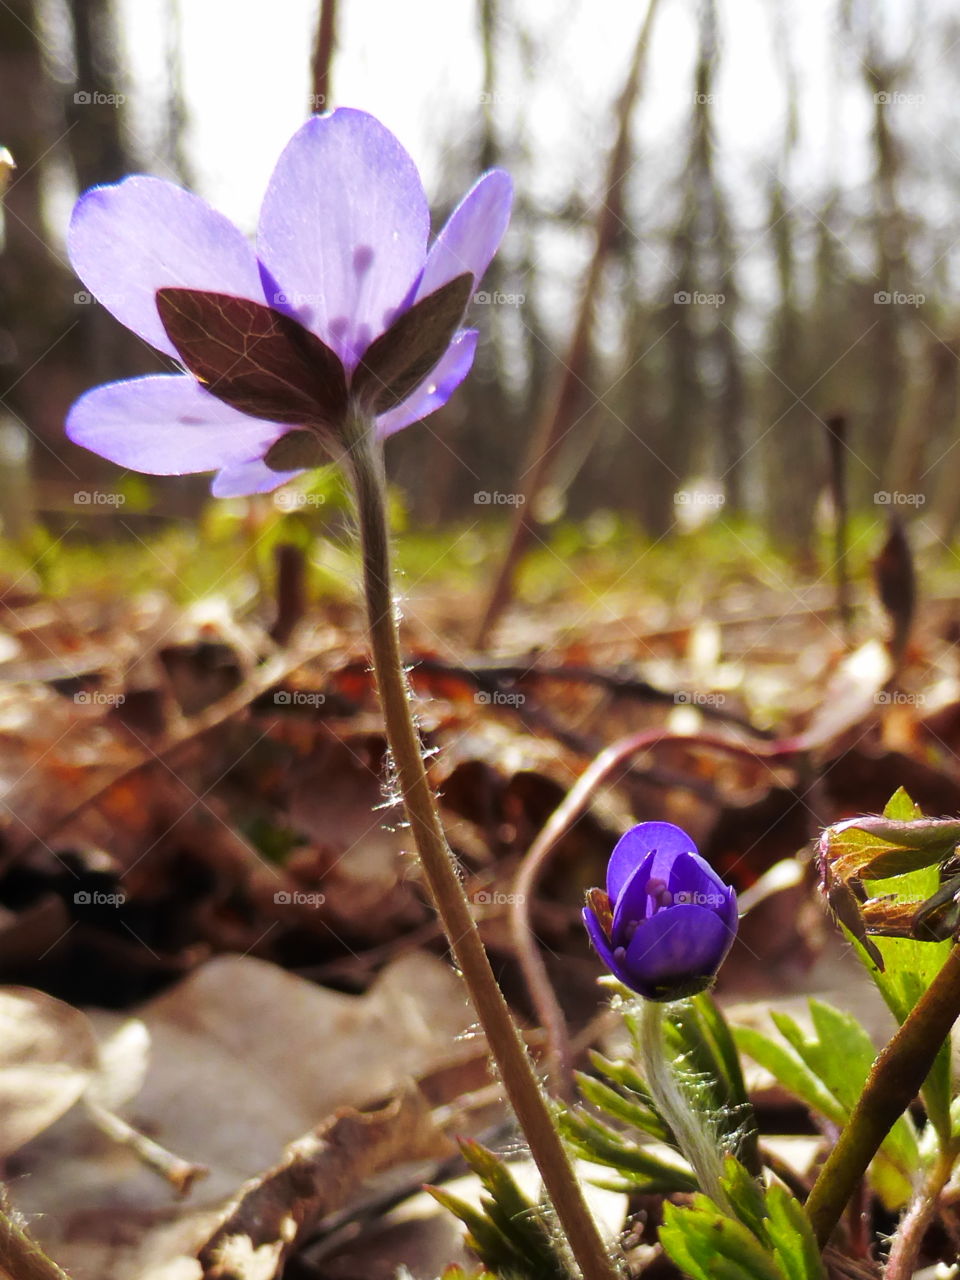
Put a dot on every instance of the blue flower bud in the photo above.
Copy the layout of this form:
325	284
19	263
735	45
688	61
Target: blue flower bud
667	920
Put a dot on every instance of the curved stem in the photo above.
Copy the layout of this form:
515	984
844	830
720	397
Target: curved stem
908	1239
895	1080
437	861
696	1141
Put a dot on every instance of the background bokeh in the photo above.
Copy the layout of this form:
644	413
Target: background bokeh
783	247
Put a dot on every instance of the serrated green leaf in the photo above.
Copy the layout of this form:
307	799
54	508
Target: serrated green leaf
614	1104
791	1236
708	1245
654	1171
827	1071
790	1070
745	1195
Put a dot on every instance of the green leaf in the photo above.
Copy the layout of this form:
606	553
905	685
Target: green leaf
645	1168
790	1070
789	1232
827	1071
708	1245
614	1104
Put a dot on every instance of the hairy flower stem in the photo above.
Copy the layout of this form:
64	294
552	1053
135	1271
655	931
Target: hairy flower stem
905	1249
20	1256
516	1070
696	1140
895	1080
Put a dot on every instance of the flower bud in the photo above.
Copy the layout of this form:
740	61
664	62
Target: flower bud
666	920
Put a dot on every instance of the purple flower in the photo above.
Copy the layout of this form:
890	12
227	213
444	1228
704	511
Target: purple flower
340	306
667	920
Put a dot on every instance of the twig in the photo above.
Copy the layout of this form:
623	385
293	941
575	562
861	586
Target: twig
181	1174
558	1056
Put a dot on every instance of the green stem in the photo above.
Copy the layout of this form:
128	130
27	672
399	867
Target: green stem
697	1142
506	1046
895	1080
905	1249
20	1256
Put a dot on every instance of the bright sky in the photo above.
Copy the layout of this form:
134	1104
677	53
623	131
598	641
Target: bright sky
417	66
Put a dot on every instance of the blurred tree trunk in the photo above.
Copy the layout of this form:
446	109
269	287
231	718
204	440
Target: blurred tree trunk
792	432
33	280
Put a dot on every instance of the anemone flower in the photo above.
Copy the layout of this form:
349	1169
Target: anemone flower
340	309
667	920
